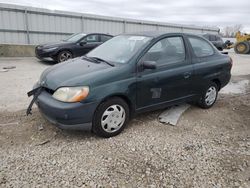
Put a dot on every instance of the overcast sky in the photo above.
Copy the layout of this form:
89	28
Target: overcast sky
196	12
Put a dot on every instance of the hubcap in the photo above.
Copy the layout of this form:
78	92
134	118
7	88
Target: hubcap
65	56
210	95
113	118
241	47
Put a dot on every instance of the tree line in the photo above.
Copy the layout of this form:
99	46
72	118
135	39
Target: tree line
230	31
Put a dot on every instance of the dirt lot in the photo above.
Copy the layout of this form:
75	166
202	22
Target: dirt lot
207	148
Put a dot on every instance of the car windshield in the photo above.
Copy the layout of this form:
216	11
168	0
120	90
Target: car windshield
74	37
119	49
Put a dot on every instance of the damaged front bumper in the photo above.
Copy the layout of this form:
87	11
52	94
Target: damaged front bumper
75	116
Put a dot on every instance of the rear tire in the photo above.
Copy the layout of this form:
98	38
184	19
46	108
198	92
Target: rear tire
110	117
209	96
242	48
64	56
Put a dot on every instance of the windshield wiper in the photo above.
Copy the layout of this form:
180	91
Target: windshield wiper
90	59
102	60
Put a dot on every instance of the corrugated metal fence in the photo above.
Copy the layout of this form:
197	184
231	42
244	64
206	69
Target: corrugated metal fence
27	25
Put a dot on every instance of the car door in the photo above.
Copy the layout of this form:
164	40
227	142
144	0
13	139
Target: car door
171	80
88	43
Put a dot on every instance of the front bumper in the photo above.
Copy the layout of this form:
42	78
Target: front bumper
75	116
41	54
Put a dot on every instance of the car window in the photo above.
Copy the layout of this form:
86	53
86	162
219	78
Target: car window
74	37
218	38
104	38
201	47
120	49
212	38
91	38
166	51
206	37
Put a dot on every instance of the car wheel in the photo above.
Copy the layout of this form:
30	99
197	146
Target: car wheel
110	117
209	97
64	56
242	47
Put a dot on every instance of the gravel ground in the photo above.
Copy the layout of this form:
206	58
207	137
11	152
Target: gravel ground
207	148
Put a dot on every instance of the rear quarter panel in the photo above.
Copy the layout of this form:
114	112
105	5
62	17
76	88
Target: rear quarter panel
216	67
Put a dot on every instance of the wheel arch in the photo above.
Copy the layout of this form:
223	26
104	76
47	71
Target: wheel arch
65	49
217	82
123	97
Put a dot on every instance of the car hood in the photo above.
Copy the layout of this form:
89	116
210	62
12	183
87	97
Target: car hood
54	44
75	72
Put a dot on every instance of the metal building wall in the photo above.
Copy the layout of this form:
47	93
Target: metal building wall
27	25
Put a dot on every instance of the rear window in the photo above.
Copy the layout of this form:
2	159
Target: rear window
212	38
201	47
104	38
206	37
218	38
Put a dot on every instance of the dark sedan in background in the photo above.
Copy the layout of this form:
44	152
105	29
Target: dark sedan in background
74	46
216	40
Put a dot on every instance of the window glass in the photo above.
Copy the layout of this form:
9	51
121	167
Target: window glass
75	37
212	38
104	38
201	47
206	37
120	49
91	38
218	38
166	51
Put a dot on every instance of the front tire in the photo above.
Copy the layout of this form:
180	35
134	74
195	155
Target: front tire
209	96
110	117
64	56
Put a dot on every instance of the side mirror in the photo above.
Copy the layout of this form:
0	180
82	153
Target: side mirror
83	43
149	65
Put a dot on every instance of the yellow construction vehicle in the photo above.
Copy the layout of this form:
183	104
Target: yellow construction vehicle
242	45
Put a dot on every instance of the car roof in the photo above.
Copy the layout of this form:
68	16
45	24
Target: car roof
97	34
156	34
207	34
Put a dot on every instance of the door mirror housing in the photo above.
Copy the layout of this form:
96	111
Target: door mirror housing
83	43
149	65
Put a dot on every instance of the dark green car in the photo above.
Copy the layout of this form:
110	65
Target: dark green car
129	74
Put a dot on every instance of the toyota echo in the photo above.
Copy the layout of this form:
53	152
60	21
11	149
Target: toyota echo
127	75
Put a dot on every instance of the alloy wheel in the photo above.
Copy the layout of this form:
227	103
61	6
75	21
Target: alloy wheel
65	56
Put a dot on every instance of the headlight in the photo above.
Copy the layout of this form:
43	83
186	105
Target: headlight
49	49
71	94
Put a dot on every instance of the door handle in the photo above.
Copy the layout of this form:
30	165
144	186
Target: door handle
186	75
